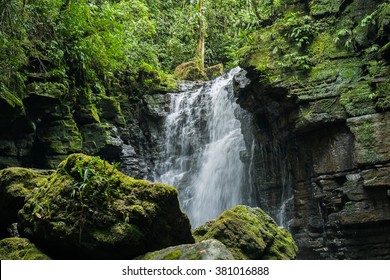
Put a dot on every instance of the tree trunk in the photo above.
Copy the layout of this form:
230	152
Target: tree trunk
201	35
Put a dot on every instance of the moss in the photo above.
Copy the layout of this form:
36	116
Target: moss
20	249
204	250
175	255
323	71
214	71
88	205
321	47
16	184
11	99
151	79
109	107
61	137
249	233
369	132
324	7
190	71
48	89
357	99
382	96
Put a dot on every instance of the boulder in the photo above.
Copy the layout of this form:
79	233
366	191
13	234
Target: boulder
249	233
88	209
16	248
15	185
190	71
205	250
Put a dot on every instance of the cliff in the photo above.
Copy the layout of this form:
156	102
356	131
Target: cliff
317	85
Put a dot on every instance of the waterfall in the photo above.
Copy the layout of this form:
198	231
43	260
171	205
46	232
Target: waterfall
203	147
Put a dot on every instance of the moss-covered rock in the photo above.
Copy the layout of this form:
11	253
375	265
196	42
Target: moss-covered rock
214	71
88	209
249	233
60	137
190	71
11	106
16	248
16	184
204	250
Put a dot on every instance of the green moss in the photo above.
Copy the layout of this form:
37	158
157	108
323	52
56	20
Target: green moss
323	7
214	71
48	89
17	184
365	130
382	96
11	99
175	255
249	233
357	99
190	71
20	249
204	250
88	205
324	71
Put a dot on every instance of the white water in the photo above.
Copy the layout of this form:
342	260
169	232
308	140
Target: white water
202	151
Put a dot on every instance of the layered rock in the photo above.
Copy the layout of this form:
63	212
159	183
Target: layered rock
321	124
53	119
249	233
88	209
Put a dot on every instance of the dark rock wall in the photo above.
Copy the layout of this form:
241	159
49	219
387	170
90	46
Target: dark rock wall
330	125
55	119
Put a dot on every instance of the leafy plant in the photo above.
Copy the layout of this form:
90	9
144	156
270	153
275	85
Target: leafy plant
346	37
97	183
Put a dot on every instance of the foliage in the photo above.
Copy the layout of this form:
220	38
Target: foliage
97	182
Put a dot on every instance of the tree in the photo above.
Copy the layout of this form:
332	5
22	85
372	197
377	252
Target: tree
201	35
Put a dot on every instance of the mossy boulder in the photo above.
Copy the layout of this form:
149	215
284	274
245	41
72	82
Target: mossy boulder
88	209
15	185
249	233
205	250
190	71
214	71
16	248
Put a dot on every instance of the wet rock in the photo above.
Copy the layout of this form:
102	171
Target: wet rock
330	123
249	233
88	209
204	250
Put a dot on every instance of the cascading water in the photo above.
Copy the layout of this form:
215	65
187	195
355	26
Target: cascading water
203	147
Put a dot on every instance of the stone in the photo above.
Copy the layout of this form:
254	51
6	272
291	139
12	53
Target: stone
372	138
249	233
190	71
214	71
16	248
16	184
205	250
376	177
88	209
331	123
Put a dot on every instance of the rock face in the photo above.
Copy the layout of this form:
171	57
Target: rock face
249	233
54	119
322	125
15	185
88	209
20	249
204	250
